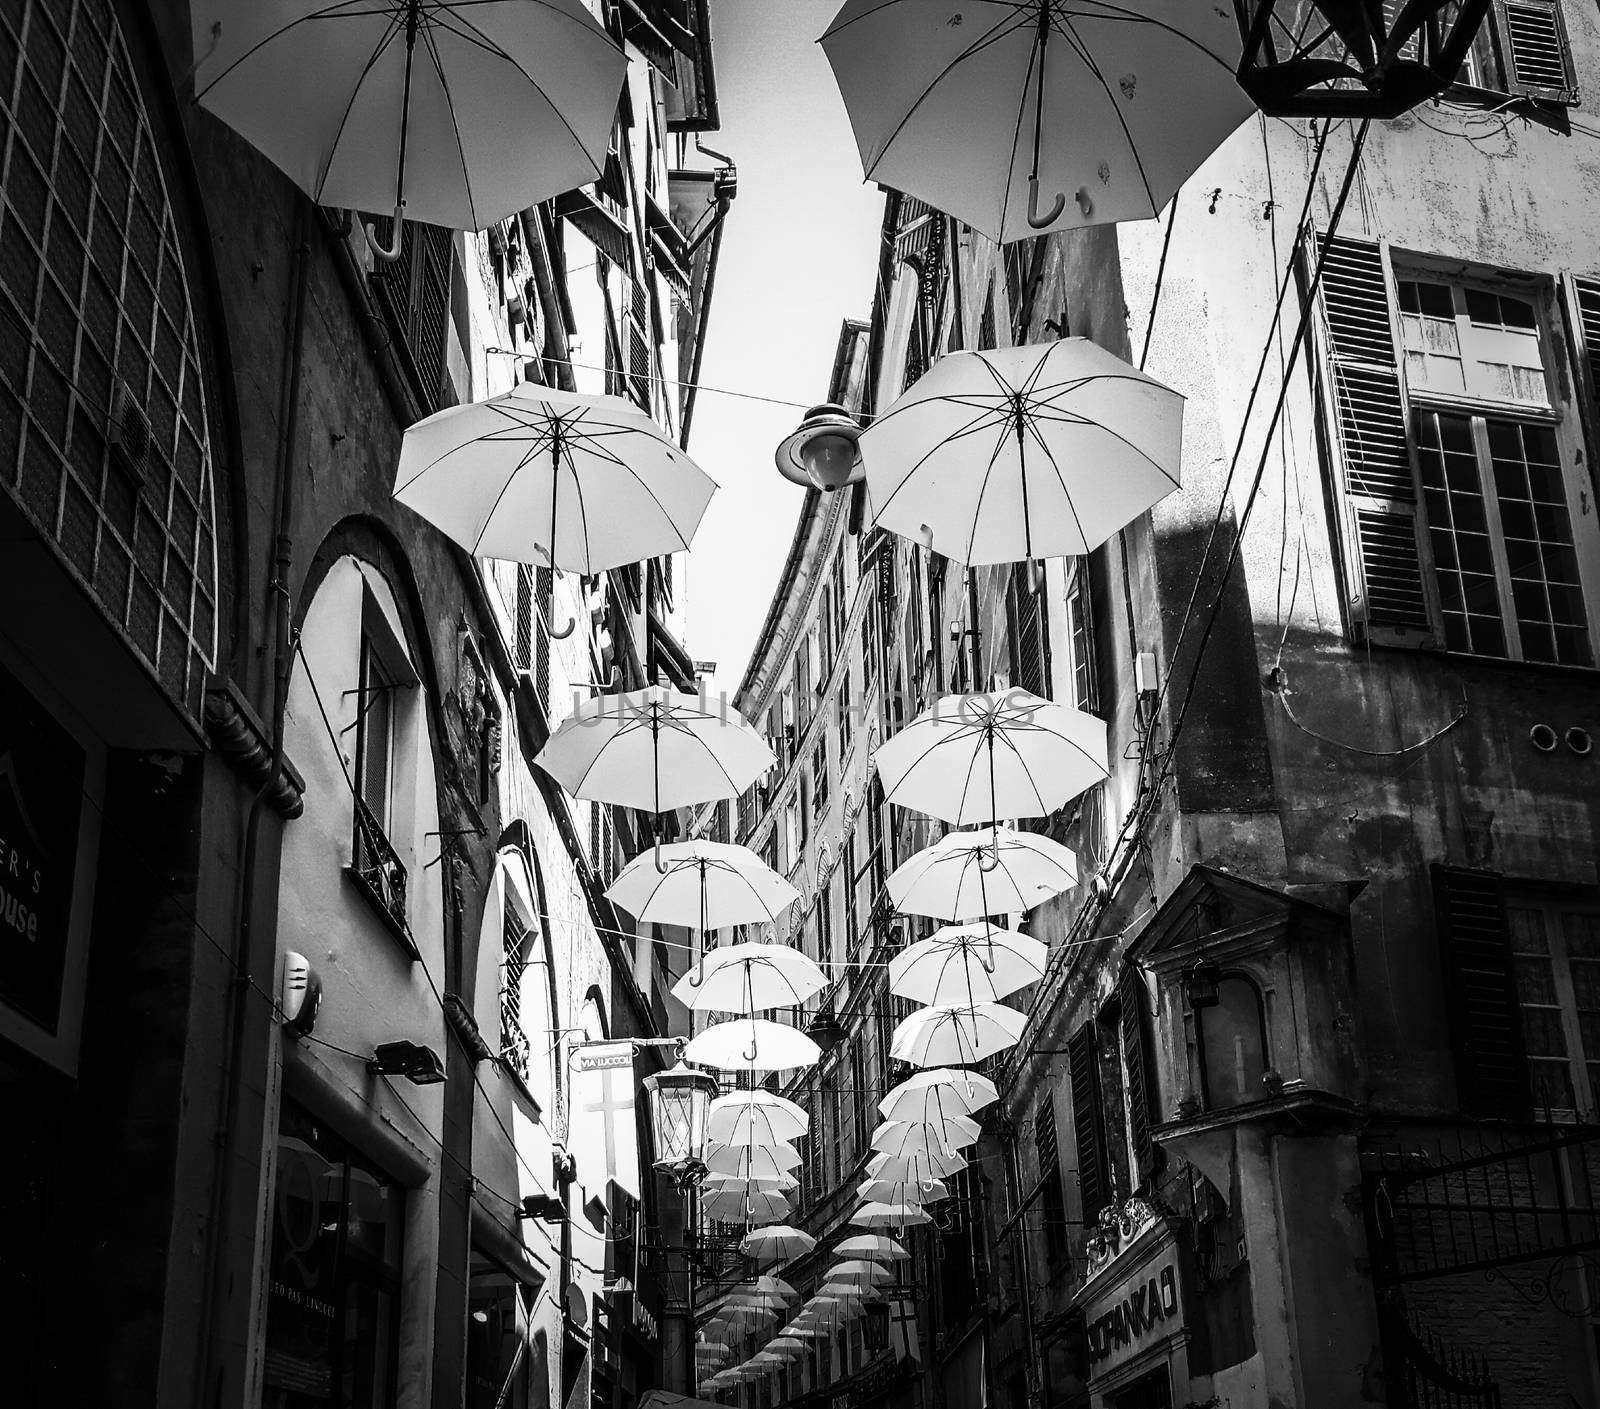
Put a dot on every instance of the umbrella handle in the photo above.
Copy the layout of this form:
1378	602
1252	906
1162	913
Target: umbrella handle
661	866
989	857
1037	221
750	1056
388	255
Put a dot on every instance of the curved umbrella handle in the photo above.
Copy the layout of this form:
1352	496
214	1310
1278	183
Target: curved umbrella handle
661	866
989	857
750	1056
1037	221
388	255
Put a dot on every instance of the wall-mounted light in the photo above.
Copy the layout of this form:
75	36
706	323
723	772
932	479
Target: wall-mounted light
419	1065
822	452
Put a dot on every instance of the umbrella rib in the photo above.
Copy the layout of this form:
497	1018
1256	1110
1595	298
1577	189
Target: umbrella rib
1057	414
932	451
1016	136
329	12
432	46
1089	63
1114	13
611	457
349	107
983	489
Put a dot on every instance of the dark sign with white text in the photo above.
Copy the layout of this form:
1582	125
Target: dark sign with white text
41	791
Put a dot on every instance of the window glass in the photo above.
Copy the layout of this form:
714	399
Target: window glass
1463	341
1231	1045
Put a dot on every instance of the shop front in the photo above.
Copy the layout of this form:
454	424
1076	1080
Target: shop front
887	1383
1136	1311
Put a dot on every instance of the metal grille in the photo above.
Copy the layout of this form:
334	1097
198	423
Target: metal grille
91	273
514	1047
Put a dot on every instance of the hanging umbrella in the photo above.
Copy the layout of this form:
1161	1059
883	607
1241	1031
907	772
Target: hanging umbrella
907	1191
752	1161
986	757
896	1137
705	885
755	1118
915	1165
776	1244
752	1044
938	1093
458	114
873	1245
755	1207
749	978
558	478
986	871
764	1289
1025	115
945	1035
858	1269
967	964
784	1184
787	1346
1039	451
877	1215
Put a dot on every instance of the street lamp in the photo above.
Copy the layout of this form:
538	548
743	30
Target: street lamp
823	451
680	1100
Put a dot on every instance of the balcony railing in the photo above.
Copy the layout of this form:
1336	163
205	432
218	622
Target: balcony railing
376	866
514	1044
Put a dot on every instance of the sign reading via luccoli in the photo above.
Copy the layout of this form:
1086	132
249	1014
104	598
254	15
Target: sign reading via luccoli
1142	1306
41	787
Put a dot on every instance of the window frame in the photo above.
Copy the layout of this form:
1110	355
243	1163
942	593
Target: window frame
1553	908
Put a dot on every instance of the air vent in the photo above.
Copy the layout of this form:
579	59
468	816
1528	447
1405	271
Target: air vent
128	433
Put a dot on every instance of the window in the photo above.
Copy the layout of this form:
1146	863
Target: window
1522	49
1083	1076
1138	1068
1028	633
825	639
534	606
1080	625
505	1368
1052	1196
1231	1034
794	833
844	705
602	842
514	1050
1555	950
639	345
1457	468
373	858
819	774
841	608
414	294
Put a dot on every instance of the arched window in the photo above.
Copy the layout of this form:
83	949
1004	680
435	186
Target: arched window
1233	1046
528	1017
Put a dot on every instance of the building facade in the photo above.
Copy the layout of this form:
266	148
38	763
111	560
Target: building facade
266	783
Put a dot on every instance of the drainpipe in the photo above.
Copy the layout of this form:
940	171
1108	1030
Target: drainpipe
278	625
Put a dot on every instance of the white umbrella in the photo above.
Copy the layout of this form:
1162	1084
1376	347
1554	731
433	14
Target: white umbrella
976	963
878	1215
767	1288
755	1118
915	1165
752	1161
457	114
750	978
776	1244
784	1184
986	757
654	749
1040	451
895	1137
1028	115
986	871
758	1206
873	1245
705	885
936	1094
908	1191
752	1044
869	1273
557	478
787	1346
952	1035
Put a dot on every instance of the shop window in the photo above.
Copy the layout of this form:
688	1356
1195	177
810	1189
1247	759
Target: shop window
334	1291
1231	1034
505	1369
1152	1391
1459	474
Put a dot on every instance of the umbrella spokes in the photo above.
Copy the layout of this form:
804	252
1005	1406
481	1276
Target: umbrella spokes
389	253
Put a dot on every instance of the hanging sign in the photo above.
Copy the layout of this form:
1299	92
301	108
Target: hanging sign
41	792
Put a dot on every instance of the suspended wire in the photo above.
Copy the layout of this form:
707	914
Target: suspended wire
646	377
1161	273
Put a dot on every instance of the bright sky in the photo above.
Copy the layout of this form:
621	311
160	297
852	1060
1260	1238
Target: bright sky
798	257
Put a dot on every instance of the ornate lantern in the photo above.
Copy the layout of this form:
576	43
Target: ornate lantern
680	1100
1352	58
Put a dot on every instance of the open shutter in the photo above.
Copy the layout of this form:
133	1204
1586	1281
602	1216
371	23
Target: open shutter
1083	1073
544	598
1581	307
1534	52
1485	1024
1134	1025
1365	413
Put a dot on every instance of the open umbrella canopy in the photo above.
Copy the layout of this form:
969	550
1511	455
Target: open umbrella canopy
857	1269
753	1208
752	1044
750	978
755	1118
752	1161
877	1215
903	1191
937	1093
557	478
967	964
874	1246
654	749
987	757
467	112
1027	115
702	885
1040	451
776	1244
784	1184
896	1137
986	871
953	1035
918	1165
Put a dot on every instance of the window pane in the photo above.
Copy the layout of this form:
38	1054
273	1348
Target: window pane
1429	334
1502	349
1469	597
1538	539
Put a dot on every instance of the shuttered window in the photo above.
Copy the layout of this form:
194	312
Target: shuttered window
1475	950
414	294
1454	467
1080	625
1052	1200
534	605
1088	1127
1028	630
1534	56
1138	1069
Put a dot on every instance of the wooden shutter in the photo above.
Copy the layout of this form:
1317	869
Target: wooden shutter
1047	1146
1365	414
522	647
1581	309
544	601
1138	1068
1088	1127
1030	667
1480	987
1534	52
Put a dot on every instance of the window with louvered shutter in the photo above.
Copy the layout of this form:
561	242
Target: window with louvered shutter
544	602
1476	954
1030	653
1365	406
1080	625
1137	1068
1582	311
1052	1200
1088	1126
414	294
1535	57
639	344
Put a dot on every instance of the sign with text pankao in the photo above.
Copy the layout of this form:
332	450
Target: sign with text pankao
41	797
1137	1312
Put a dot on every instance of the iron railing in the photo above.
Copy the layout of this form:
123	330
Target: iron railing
378	865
